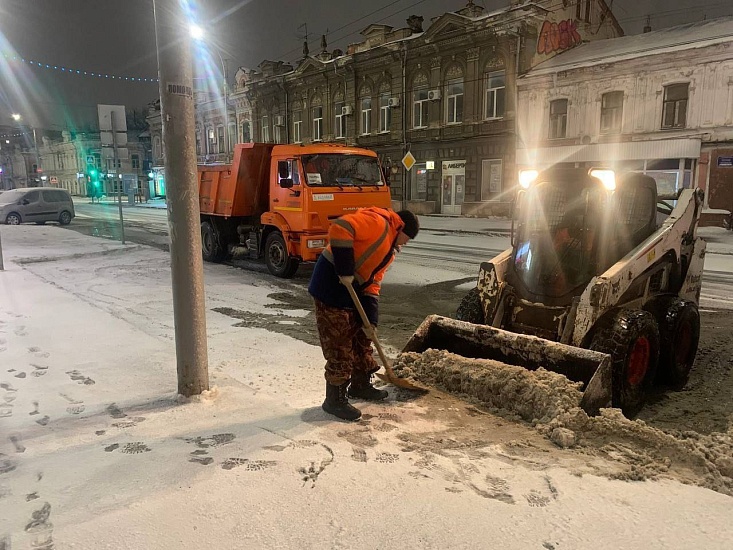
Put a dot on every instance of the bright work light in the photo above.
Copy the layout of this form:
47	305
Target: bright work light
607	177
526	177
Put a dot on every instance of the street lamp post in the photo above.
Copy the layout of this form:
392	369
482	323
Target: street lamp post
18	118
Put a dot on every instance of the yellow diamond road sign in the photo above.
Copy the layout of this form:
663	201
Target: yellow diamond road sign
408	161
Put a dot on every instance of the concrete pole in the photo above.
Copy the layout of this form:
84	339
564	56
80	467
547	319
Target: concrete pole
175	72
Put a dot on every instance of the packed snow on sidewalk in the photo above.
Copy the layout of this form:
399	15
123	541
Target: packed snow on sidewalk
99	451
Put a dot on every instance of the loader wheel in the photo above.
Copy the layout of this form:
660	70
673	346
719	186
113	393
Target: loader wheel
679	333
277	259
631	338
211	247
470	308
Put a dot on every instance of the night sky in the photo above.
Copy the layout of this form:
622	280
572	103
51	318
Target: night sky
118	37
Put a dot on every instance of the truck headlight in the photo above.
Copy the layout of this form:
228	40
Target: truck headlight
316	243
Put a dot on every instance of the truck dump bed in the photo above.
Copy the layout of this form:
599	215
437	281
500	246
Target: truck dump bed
240	188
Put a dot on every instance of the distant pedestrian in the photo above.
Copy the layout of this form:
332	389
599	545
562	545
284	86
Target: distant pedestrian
361	248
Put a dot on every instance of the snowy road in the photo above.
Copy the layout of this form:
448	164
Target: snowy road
457	254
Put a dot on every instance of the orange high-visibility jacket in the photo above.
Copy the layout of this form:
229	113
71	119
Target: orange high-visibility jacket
362	245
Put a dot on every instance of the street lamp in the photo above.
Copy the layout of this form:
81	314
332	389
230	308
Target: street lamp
197	33
17	117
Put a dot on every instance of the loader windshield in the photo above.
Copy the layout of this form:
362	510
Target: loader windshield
556	237
340	170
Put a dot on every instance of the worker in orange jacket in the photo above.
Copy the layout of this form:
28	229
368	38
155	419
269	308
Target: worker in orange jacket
361	248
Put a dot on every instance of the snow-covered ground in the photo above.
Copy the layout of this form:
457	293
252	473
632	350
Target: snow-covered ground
98	451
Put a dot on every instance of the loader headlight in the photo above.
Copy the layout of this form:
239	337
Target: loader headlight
526	177
607	177
316	243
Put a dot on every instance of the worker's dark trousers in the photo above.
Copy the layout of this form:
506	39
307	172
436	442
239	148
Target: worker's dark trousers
345	346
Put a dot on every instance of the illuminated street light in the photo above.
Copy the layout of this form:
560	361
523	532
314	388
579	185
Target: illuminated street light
16	116
197	33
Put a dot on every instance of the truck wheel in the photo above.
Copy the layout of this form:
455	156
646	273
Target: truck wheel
470	308
631	338
277	259
679	333
211	248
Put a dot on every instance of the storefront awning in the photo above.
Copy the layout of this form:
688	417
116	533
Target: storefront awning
611	152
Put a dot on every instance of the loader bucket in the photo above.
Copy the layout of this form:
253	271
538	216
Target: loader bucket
591	368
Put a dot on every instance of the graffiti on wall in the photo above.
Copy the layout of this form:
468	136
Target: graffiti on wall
556	37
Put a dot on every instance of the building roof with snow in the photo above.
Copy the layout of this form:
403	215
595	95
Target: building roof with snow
682	37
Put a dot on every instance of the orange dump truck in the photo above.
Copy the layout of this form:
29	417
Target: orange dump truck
278	201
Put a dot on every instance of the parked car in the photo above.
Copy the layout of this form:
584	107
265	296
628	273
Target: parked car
36	205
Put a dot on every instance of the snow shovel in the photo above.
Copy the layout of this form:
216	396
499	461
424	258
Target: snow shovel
389	375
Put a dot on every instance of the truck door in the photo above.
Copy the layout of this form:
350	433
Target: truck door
288	196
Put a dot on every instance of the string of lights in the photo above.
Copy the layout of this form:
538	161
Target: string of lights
80	72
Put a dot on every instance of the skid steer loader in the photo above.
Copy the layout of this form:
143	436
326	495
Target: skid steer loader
601	284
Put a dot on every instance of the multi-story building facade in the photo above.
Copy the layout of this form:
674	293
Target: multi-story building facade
660	103
446	94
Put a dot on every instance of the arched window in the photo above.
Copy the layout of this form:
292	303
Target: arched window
365	104
317	115
157	149
297	122
339	114
454	95
385	106
420	101
495	89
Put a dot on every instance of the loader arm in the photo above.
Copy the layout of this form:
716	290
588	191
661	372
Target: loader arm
676	237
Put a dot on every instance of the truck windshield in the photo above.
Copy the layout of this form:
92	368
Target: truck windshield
341	170
557	234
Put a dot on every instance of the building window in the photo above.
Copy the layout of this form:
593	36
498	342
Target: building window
558	118
232	135
366	116
578	8
385	113
135	159
495	94
587	11
220	138
612	108
265	129
420	108
297	126
340	120
211	142
198	142
157	151
317	123
455	101
246	133
674	110
277	134
491	170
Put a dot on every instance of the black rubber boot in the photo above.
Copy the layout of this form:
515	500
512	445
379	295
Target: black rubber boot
361	388
337	403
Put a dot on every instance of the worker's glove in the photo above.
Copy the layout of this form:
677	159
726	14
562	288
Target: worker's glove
346	280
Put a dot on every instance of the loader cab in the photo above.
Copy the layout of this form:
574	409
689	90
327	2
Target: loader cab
560	223
570	225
